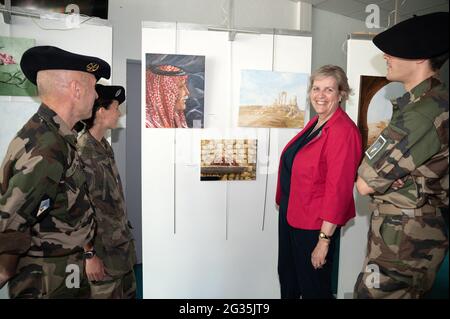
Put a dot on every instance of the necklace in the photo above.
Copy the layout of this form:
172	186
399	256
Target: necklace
321	122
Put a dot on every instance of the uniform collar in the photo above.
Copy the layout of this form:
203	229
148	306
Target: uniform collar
57	123
416	93
101	147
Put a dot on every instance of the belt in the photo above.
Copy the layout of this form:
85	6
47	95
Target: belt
39	254
389	209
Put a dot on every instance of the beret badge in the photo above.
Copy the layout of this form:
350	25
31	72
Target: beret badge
92	67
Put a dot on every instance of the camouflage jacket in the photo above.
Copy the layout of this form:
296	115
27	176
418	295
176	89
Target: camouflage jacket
113	240
42	183
413	147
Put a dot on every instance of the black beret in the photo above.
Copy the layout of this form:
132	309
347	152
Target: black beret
420	37
111	92
52	58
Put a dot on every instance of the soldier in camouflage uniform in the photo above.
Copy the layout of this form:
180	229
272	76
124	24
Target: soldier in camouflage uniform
43	192
110	269
405	171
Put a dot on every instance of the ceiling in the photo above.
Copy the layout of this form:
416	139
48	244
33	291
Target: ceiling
356	8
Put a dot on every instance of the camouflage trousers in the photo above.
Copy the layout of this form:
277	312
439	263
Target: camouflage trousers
50	278
123	287
403	256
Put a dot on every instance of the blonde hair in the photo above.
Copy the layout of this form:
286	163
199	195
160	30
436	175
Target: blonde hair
338	74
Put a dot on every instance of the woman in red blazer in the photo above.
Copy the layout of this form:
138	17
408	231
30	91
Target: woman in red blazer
315	188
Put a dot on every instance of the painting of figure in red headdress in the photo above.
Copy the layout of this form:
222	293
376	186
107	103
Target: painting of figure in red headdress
174	96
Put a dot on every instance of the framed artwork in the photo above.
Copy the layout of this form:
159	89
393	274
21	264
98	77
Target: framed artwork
174	96
272	99
12	80
228	159
375	106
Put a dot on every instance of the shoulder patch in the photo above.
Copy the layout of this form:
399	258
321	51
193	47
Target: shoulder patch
44	206
376	147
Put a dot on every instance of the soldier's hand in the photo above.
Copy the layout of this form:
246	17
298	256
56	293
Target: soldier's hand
398	184
95	269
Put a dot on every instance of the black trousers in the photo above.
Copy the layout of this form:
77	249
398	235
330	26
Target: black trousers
296	272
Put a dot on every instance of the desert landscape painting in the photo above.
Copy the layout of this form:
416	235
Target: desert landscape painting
272	99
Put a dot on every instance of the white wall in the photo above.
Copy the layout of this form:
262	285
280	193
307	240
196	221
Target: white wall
363	58
205	239
15	111
330	32
281	14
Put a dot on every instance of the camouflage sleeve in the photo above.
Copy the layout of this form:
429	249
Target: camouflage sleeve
28	176
95	180
14	242
398	151
93	172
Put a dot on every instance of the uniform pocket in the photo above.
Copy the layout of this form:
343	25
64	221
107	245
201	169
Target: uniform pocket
75	178
71	198
392	232
387	234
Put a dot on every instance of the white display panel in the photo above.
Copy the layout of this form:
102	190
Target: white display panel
363	58
206	239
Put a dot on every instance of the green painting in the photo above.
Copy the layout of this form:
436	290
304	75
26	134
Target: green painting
12	81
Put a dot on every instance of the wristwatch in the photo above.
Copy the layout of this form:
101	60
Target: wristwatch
322	235
89	254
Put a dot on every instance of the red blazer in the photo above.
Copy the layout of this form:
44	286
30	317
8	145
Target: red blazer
323	175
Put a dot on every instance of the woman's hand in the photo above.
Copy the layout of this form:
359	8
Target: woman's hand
320	253
95	269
